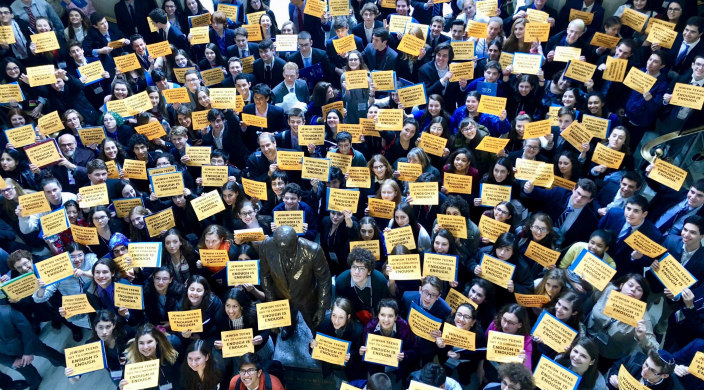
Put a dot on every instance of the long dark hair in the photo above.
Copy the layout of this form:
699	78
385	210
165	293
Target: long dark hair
207	293
249	311
507	240
518	311
211	374
118	332
590	376
412	218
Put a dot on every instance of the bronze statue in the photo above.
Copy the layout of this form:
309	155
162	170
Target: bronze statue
295	268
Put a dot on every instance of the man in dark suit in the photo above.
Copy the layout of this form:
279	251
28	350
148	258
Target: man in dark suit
166	31
308	23
686	47
687	249
424	11
225	133
378	55
671	208
342	30
242	48
67	93
573	216
96	91
268	69
291	84
261	107
624	222
369	23
436	37
617	189
131	16
307	56
436	76
591	6
262	162
234	68
522	12
71	171
97	38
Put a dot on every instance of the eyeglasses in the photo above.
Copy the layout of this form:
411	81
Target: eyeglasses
247	213
675	9
532	147
101	218
357	268
538	229
500	211
428	294
76	257
465	317
508	322
8	189
652	370
248	372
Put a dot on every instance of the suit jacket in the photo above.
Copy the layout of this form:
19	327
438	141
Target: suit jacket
358	31
607	193
694	118
312	25
81	157
563	19
428	75
16	333
508	22
229	39
24	28
686	64
300	88
614	221
424	15
337	59
277	71
94	40
695	265
665	199
318	56
234	51
554	202
274	119
177	38
442	38
231	141
310	292
140	25
72	96
387	63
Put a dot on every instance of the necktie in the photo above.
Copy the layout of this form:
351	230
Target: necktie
563	216
306	62
300	19
682	55
131	8
267	74
626	233
585	9
245	53
290	90
671	221
32	19
163	35
436	9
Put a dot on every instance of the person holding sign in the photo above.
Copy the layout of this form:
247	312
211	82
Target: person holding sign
570	37
428	298
514	376
56	198
101	290
429	74
335	231
500	173
506	249
9	214
405	215
680	117
199	370
150	343
538	229
502	212
497	125
583	358
251	218
686	249
599	243
653	369
341	28
358	100
616	339
163	287
342	324
198	295
465	318
456	206
618	141
388	323
107	228
292	195
513	319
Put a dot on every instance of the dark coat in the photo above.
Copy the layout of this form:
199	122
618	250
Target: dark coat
277	71
614	221
358	31
428	75
387	63
124	19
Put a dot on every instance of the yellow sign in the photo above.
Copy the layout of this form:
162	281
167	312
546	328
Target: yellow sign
255	189
289	161
638	80
237	342
229	10
200	20
623	308
182	321
533	15
344	45
696	368
337	105
455	224
567	53
176	95
673	275
554	333
540	173
633	19
124	206
357	79
432	144
537	31
493	194
487	8
492	105
9	92
76	304
160	222
424	193
94	195
55	268
458	184
145	254
273	314
422	323
580	70
91	135
7	35
603	155
129	296
593	270
127	62
384	80
409	171
293	219
135	169
604	40
315	8
50	123
454	299
142	375
413	95
45	42
21	136
112	169
20	287
33	203
167	184
41	75
640	242
380	208
243	272
198	155
249	235
462	71
662	36
159	49
311	134
530	300
214	175
382	350
599	127
397	23
214	257
371	246
199	35
342	200
316	168
212	77
505	59
496	271
577	135
224	98
442	266
526	63
85	235
43	153
541	255
668	174
464	51
587	17
54	222
690	96
411	44
504	347
404	267
537	129
549	375
85	358
342	161
390	120
400	236
460	338
492	144
207	205
628	382
359	177
330	349
476	29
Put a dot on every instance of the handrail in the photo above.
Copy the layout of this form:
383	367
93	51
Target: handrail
645	149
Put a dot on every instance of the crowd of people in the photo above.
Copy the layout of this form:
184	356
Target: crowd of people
280	100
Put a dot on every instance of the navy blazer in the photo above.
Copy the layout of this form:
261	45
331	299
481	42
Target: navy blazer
234	51
141	9
387	63
312	25
94	41
554	202
337	59
231	141
695	265
277	71
318	56
686	64
275	121
358	31
177	38
428	75
229	39
614	221
563	20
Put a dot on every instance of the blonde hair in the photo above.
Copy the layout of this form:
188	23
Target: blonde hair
165	351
